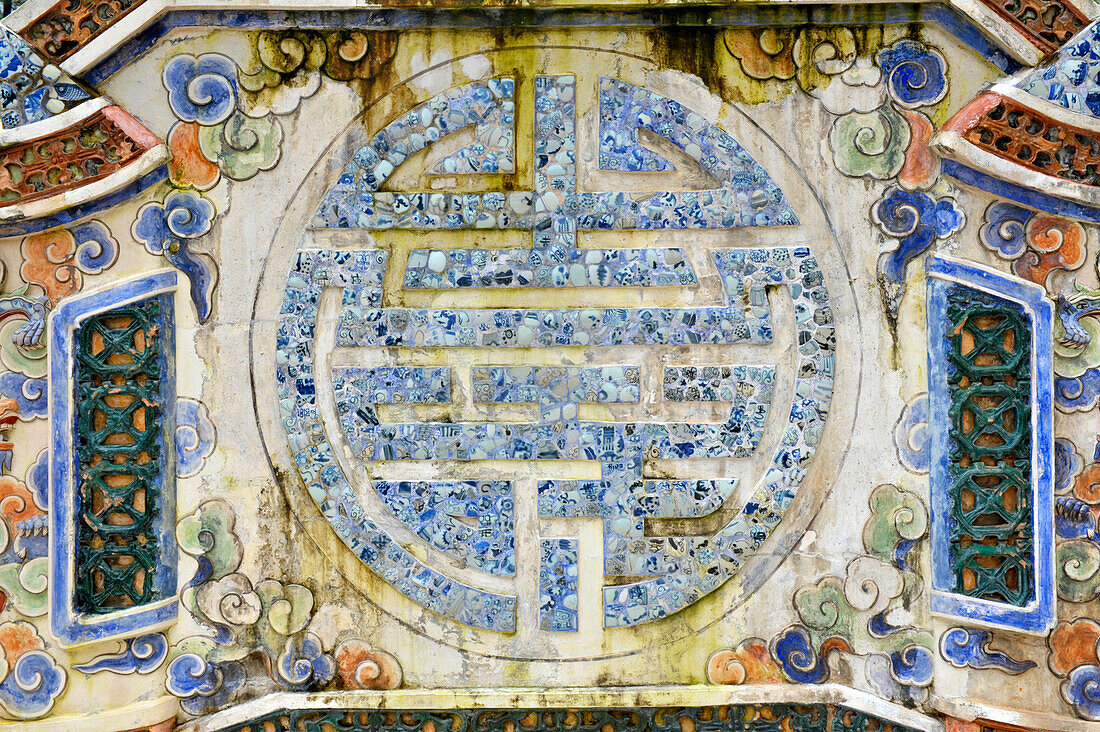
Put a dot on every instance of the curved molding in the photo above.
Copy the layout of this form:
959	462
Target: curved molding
569	698
52	125
999	170
1015	36
970	710
141	160
158	715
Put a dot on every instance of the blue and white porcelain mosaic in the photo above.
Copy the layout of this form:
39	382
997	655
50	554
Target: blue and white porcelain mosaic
622	113
392	385
493	148
649	576
683	569
316	462
558	597
1072	78
30	89
555	210
554	266
434	510
557	389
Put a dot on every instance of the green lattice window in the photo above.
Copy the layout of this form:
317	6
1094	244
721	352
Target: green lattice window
120	456
990	387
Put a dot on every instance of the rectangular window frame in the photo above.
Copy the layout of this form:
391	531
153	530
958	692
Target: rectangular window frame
1037	616
70	627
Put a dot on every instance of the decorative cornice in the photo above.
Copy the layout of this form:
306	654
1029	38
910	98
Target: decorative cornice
1034	138
1046	24
75	169
124	29
625	697
66	26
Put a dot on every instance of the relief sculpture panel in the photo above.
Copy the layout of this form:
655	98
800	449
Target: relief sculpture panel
586	367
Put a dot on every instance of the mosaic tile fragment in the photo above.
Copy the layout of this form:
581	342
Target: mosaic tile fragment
315	459
434	510
393	385
682	569
558	596
492	150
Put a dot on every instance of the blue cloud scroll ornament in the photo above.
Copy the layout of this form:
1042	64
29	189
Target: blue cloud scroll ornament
202	89
916	220
195	436
142	655
962	647
916	76
169	228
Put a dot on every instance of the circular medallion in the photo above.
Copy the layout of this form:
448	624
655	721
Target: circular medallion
556	358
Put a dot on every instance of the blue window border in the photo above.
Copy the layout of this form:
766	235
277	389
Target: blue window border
70	627
1038	616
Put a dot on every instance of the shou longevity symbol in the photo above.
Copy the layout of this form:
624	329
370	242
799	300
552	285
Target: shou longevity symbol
649	571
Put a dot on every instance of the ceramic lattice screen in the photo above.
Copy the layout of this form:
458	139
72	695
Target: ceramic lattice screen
120	455
990	421
113	558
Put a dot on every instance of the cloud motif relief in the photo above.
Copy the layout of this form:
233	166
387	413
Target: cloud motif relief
764	53
916	220
290	64
25	586
360	666
242	146
227	126
1073	658
58	259
911	435
922	166
912	666
1036	244
29	393
858	89
203	686
1005	230
304	663
852	615
142	655
1078	566
916	75
963	647
1071	644
195	436
749	663
794	651
812	56
870	144
880	140
31	680
1078	393
168	228
1081	690
1067	464
33	685
259	629
880	133
202	89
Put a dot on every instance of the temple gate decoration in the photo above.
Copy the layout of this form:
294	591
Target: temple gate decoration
589	367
